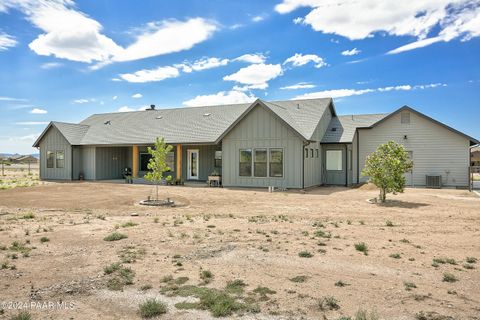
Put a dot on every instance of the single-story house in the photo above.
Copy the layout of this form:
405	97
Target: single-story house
286	144
23	159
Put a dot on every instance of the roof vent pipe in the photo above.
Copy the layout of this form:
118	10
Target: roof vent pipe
298	105
152	107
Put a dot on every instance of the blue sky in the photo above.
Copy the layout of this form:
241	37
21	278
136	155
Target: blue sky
64	60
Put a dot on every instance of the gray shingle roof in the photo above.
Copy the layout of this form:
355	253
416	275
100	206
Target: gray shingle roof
74	133
345	126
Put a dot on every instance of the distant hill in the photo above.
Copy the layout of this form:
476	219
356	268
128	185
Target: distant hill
7	155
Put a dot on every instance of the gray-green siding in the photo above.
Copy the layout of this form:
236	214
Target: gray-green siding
262	129
206	160
54	141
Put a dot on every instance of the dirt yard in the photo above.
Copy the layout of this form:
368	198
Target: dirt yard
247	254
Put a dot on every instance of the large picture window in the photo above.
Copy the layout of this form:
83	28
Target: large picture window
50	159
245	163
334	160
260	163
144	160
218	158
60	159
276	163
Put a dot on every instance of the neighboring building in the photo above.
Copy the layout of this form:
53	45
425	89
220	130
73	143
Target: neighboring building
23	159
288	144
475	157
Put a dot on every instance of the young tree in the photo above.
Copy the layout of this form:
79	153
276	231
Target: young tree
386	168
157	164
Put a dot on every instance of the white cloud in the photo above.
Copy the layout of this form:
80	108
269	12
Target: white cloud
114	97
167	36
38	111
298	20
300	59
352	52
12	99
81	101
137	95
51	65
358	20
125	109
30	137
223	97
300	85
252	58
73	35
202	64
158	74
340	93
116	79
7	41
32	123
256	76
258	18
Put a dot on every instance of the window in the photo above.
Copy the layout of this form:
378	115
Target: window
405	117
50	159
170	161
60	159
245	163
316	153
311	153
218	158
334	160
276	163
306	153
144	160
260	163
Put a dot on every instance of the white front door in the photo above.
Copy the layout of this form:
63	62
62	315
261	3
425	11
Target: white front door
192	166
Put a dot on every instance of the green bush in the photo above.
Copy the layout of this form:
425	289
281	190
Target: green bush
115	236
152	308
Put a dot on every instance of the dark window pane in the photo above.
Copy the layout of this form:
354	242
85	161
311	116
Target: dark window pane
170	161
218	158
276	163
245	163
50	159
60	158
144	160
260	163
311	153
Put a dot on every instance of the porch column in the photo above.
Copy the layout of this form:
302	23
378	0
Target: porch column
135	161
179	162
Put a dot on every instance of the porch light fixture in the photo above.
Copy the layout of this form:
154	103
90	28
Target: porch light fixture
405	137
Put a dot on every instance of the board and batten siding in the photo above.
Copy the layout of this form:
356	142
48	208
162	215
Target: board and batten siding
54	141
206	160
436	150
262	129
87	154
110	162
313	166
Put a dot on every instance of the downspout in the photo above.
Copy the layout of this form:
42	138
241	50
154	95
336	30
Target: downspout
346	165
358	156
303	166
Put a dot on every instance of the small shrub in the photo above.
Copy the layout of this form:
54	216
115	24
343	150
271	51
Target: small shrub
389	223
235	287
395	256
155	220
167	278
146	287
409	285
111	268
44	239
152	308
471	260
328	303
340	283
206	276
22	316
129	224
28	216
181	280
364	315
305	254
220	304
431	316
299	279
187	305
115	236
362	247
263	292
448	277
468	266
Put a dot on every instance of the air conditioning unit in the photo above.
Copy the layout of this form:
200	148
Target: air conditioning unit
434	181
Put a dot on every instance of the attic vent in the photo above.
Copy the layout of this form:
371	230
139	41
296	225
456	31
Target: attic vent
206	114
107	123
334	129
159	117
434	181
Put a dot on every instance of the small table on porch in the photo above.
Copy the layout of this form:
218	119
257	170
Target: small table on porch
215	181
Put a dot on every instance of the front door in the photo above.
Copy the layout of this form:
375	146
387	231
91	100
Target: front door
335	166
192	166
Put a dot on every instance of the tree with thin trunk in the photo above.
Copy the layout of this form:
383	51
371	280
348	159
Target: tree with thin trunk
157	164
386	168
